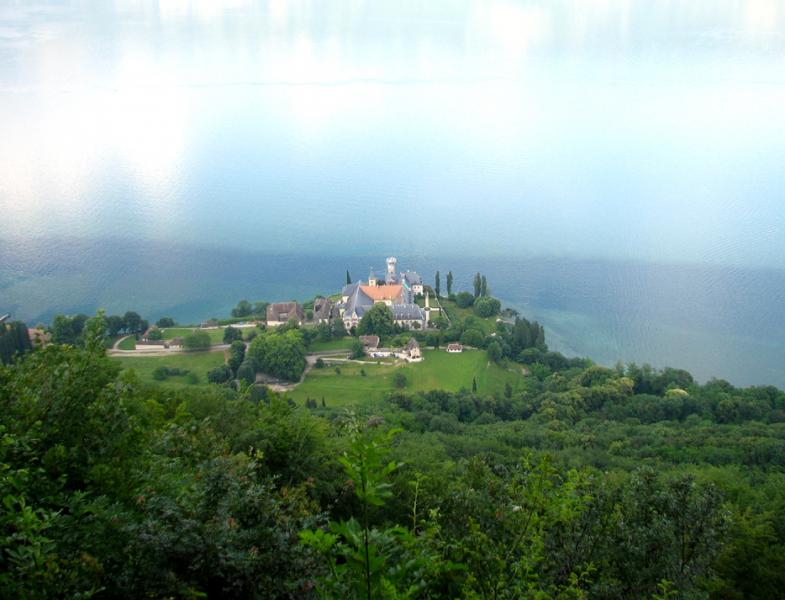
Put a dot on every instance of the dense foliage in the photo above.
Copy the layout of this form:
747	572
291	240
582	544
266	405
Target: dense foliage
378	320
580	482
280	353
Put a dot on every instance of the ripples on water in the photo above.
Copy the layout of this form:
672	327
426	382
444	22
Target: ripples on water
714	321
645	133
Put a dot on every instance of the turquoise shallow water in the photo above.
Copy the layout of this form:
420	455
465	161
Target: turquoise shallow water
614	166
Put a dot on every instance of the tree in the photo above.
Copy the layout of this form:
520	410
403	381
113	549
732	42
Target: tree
495	351
474	385
132	321
437	284
338	328
357	349
472	337
279	353
220	374
486	306
236	355
464	299
164	322
477	285
348	277
14	340
449	283
199	340
155	334
232	334
68	330
260	308
243	309
114	325
399	380
247	372
378	320
483	286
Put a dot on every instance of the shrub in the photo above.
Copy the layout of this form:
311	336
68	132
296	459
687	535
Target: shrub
160	373
198	340
231	334
464	299
358	350
399	380
220	374
472	337
487	306
319	364
246	372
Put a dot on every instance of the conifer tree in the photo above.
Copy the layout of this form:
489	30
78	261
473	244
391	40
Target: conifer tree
437	284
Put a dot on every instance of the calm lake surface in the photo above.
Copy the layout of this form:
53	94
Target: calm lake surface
615	167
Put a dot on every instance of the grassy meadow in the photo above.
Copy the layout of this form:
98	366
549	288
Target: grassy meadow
438	370
342	344
196	362
216	335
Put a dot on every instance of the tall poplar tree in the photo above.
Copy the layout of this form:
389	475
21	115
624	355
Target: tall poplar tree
477	285
483	286
437	284
449	283
348	277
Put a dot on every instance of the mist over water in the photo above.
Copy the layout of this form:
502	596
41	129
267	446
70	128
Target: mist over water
615	167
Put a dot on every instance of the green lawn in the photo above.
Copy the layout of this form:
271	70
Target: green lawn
216	335
342	344
196	362
129	343
439	370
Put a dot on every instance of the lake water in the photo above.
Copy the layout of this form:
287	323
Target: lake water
616	167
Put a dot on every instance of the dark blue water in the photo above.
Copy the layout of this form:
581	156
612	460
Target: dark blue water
173	156
714	321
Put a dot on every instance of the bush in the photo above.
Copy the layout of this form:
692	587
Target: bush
358	350
160	373
464	299
487	306
246	372
198	340
495	351
232	334
165	322
220	374
472	337
319	364
399	380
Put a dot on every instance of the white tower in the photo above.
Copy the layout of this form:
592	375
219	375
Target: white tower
391	262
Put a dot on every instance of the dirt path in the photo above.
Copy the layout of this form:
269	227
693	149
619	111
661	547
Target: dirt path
162	352
116	345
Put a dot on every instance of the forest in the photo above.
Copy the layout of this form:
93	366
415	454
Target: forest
587	482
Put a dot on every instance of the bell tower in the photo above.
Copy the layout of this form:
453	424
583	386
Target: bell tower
391	262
